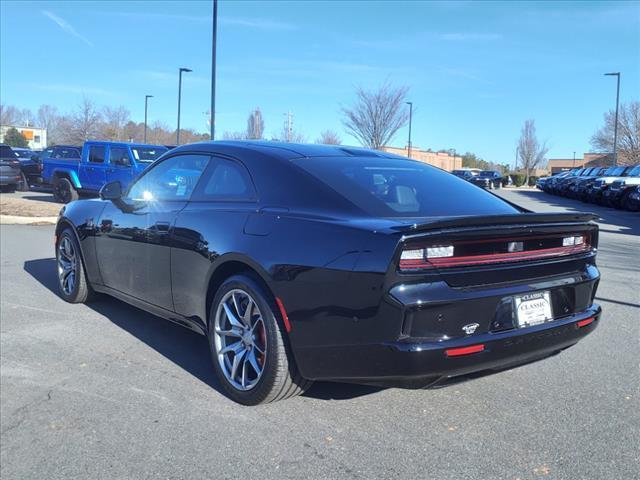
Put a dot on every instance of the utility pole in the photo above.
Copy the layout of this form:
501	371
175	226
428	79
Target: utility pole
574	159
615	127
212	118
517	152
186	70
289	125
410	119
146	101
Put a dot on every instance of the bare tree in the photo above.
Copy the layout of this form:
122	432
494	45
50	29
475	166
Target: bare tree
289	135
85	122
377	115
329	137
9	115
628	134
234	136
48	118
115	120
530	151
27	118
255	125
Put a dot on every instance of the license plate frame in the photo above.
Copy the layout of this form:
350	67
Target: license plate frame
533	309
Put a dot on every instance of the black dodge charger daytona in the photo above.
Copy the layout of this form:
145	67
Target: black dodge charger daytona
309	262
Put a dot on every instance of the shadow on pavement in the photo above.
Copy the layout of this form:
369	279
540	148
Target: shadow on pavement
629	222
183	347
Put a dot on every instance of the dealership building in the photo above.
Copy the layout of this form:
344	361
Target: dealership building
36	137
557	165
441	160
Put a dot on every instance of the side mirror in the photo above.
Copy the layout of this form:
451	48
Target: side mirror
111	191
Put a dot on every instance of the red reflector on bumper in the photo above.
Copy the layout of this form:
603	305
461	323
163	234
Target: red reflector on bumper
585	322
285	317
456	352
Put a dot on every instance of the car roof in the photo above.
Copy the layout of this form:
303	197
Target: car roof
286	151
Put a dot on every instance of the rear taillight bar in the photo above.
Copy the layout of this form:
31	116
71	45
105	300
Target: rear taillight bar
512	250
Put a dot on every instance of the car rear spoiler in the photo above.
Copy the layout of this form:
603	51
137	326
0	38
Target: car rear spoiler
519	219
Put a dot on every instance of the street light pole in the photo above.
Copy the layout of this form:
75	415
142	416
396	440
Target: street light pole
146	101
410	118
574	159
186	70
212	118
615	127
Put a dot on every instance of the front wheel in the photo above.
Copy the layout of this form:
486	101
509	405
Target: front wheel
248	345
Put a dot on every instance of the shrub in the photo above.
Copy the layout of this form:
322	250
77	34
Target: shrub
518	179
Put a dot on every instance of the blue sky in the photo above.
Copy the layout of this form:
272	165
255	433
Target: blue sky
476	71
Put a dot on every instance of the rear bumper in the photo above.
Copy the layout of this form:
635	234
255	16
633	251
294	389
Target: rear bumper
432	319
10	178
417	365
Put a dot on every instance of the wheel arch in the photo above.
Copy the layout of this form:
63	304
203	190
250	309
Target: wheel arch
69	175
227	266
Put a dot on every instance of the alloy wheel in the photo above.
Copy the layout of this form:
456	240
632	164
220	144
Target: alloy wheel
67	260
240	339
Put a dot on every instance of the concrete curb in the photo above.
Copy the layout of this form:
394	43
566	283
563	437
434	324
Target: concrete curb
16	220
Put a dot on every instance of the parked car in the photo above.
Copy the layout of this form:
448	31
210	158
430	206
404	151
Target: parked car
597	186
564	186
541	181
99	163
315	262
10	174
464	174
633	200
487	179
617	194
549	185
30	166
578	188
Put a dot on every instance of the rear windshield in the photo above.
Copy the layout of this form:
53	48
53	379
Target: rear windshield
147	154
385	187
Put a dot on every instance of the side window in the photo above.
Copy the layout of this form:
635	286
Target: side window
57	153
225	180
172	179
96	154
119	156
72	153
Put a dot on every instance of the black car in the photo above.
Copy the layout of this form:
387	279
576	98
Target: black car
464	174
487	179
30	166
617	194
578	188
313	262
10	174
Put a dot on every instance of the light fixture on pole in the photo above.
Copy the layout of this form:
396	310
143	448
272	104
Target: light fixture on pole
214	44
615	127
410	118
186	70
146	101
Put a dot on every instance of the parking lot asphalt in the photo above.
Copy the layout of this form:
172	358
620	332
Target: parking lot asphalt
108	391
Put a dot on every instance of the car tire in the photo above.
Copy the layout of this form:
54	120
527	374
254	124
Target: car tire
64	191
266	370
72	281
23	184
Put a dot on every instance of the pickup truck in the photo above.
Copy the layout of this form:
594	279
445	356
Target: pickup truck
99	164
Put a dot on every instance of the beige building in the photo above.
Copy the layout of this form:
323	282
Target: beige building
37	137
441	160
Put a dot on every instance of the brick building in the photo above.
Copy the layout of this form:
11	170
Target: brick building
557	165
437	159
